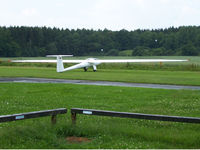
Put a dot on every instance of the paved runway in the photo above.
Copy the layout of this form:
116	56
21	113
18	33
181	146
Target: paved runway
103	83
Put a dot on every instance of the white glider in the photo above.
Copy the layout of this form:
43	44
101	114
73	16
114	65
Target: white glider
90	62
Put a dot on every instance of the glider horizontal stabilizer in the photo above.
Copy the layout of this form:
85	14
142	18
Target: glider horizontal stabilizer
59	55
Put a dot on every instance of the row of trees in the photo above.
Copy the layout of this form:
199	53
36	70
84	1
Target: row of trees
40	41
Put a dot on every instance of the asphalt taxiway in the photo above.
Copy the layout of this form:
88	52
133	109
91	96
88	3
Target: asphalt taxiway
102	83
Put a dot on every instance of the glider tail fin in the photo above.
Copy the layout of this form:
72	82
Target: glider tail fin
60	66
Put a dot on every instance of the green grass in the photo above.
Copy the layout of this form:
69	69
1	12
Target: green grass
104	132
126	53
138	76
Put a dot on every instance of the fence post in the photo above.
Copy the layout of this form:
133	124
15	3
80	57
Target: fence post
161	63
73	117
53	119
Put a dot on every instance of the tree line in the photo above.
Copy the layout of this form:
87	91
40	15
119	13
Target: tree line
40	41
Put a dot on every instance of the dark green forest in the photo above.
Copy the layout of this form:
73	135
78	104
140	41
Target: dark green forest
40	41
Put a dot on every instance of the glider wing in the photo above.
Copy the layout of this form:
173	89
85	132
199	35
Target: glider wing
138	60
47	61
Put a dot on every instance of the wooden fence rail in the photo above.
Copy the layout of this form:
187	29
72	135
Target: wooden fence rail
75	111
35	114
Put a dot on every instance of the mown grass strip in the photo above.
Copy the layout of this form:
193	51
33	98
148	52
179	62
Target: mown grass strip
135	76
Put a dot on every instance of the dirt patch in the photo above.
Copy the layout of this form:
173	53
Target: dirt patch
74	139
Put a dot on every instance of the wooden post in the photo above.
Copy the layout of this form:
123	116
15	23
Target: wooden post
53	119
161	64
73	117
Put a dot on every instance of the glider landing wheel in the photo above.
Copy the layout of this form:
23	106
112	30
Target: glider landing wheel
94	70
85	69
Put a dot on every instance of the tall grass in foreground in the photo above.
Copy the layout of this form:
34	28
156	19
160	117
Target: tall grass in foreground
104	132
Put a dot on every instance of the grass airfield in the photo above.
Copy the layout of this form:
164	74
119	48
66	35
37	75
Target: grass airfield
104	132
121	75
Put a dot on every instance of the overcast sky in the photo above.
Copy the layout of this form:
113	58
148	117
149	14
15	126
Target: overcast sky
100	14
